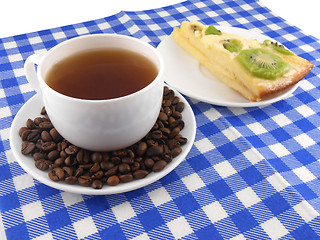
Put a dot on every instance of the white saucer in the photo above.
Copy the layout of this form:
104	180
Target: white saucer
32	108
185	74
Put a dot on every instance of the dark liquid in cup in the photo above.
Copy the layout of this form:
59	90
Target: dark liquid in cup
101	74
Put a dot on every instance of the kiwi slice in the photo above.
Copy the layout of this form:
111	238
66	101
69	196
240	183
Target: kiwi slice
232	45
211	30
278	47
263	64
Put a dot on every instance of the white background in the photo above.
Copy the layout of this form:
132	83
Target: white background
23	16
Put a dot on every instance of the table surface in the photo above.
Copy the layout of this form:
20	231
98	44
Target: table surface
34	15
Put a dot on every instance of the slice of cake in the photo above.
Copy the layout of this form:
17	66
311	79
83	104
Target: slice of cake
254	69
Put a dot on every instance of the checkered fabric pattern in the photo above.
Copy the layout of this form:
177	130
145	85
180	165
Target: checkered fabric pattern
253	173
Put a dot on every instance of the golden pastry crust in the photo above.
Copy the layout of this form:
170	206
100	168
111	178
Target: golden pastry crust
209	51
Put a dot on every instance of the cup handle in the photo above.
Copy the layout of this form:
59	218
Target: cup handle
30	71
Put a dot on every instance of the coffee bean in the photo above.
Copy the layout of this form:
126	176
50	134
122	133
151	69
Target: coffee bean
135	166
55	135
166	103
160	124
67	171
86	166
59	172
46	125
83	156
79	172
24	134
72	164
130	153
27	147
116	160
127	160
158	166
149	163
96	157
166	149
165	131
63	154
106	165
53	155
84	181
95	168
155	127
177	115
156	135
39	144
64	144
58	162
174	132
97	184
38	155
126	178
124	168
120	153
175	100
171	120
70	161
21	130
97	175
33	136
43	111
113	181
112	171
71	180
151	142
53	165
163	116
154	150
38	120
140	174
172	143
105	156
156	158
48	146
53	177
142	147
30	124
178	123
167	92
167	157
42	164
167	111
56	174
180	107
182	140
71	150
176	151
59	147
45	136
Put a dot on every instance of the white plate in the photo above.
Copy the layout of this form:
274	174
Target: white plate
32	109
188	76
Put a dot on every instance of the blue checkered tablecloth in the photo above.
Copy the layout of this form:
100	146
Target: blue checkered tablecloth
252	173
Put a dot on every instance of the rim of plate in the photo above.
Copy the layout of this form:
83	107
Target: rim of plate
220	102
31	109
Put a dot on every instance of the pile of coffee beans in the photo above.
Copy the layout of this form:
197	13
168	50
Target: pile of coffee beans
69	163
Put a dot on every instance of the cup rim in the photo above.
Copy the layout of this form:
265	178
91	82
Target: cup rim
155	81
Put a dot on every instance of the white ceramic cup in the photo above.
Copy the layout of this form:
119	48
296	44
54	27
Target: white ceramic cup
99	125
